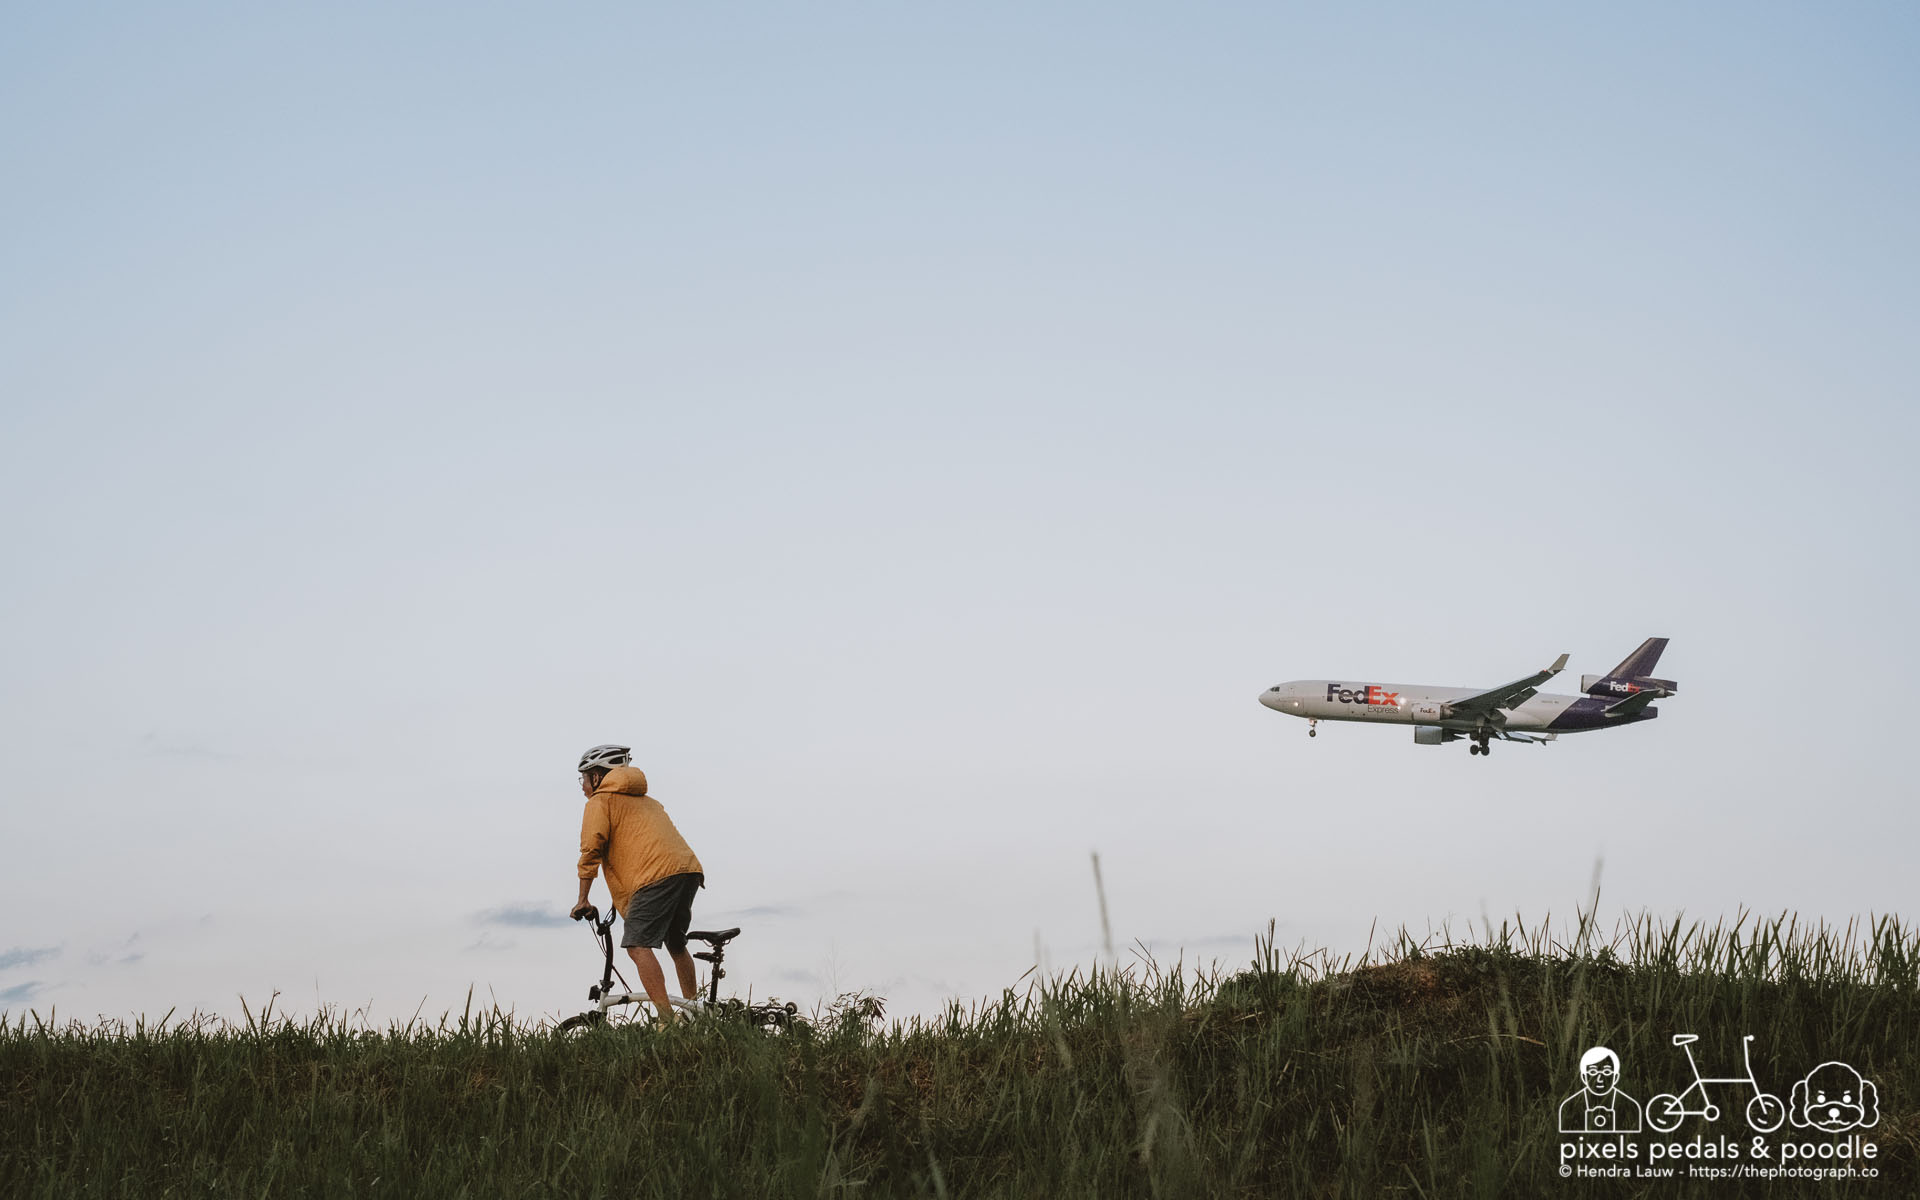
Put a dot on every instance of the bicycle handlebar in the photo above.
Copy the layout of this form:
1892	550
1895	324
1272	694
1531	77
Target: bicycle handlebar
589	913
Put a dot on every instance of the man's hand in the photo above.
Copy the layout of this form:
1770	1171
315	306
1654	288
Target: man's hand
580	910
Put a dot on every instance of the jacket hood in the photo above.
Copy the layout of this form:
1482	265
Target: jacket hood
627	781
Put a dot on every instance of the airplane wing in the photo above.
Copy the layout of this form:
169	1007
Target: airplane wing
1538	739
1507	695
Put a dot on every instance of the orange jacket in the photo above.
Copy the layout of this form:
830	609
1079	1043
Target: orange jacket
629	833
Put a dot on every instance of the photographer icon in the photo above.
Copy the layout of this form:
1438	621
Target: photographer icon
1599	1106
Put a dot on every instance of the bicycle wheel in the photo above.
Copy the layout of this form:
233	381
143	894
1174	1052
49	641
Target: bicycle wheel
586	1020
1765	1113
1664	1113
774	1016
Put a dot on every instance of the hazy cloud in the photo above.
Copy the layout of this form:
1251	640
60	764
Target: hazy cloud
122	956
524	916
761	910
154	746
26	956
1244	940
20	992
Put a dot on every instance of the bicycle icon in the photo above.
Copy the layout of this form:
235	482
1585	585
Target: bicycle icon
1765	1112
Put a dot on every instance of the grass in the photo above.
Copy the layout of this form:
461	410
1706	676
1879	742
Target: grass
1433	1069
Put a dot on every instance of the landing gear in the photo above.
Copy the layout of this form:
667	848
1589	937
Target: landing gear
1311	731
1480	745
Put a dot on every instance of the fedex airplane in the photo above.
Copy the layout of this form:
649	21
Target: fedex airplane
1513	712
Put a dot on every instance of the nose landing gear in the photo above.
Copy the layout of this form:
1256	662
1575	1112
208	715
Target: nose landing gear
1311	731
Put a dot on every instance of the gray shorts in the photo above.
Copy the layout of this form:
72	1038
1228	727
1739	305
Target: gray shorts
660	912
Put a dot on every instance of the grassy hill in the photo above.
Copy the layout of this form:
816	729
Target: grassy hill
1430	1071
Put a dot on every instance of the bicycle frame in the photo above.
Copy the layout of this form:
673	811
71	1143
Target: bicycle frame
605	998
1700	1081
767	1014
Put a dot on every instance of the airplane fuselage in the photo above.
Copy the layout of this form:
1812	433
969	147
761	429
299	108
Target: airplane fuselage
1425	704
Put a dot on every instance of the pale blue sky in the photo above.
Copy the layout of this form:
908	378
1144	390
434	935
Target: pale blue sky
922	432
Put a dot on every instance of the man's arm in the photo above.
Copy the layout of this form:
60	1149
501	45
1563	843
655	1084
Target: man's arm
595	827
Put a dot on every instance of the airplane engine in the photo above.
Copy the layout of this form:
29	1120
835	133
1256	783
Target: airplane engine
1432	735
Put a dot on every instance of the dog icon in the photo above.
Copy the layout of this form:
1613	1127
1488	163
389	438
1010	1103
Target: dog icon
1599	1106
1834	1098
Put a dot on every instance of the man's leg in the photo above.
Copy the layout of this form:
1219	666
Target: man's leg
682	920
653	979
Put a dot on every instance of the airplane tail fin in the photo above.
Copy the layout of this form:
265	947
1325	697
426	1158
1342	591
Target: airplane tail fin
1641	661
1633	675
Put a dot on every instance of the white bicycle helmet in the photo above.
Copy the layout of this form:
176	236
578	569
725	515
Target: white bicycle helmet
606	756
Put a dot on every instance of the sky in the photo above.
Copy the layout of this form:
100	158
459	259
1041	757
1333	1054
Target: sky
922	432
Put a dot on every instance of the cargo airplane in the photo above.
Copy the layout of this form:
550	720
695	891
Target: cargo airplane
1512	712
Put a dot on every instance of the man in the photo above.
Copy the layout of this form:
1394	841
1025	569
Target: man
652	873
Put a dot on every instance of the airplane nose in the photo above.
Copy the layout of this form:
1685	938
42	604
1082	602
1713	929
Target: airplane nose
1271	698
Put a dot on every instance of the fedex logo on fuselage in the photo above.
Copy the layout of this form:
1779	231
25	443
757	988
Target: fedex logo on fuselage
1371	694
1618	688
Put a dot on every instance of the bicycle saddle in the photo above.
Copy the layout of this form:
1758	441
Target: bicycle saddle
1682	1039
717	939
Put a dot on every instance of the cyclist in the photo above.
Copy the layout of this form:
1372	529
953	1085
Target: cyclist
652	874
